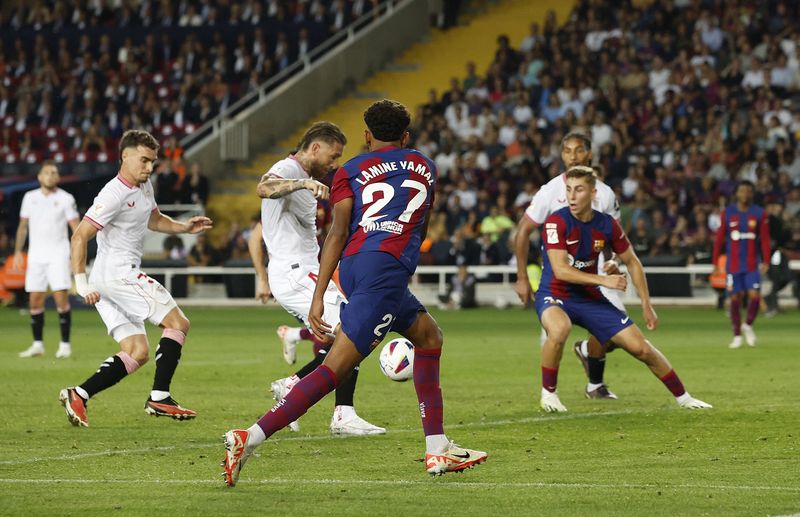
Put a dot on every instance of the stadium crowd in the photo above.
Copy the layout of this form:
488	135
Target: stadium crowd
681	101
76	74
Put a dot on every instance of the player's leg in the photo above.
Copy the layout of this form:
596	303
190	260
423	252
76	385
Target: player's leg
441	454
61	298
36	301
633	341
592	355
175	327
557	323
133	354
752	285
735	290
240	443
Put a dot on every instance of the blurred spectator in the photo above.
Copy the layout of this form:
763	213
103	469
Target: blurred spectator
174	249
203	253
194	188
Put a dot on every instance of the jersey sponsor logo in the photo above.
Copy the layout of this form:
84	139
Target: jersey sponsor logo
97	208
552	236
580	264
570	243
736	235
384	226
599	244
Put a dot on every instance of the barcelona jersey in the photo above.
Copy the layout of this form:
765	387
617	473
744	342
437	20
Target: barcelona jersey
583	242
745	236
392	190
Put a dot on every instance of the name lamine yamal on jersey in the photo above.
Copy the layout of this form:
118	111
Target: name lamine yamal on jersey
384	167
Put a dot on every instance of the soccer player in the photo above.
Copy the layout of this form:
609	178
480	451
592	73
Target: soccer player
42	215
568	293
744	233
576	150
381	200
289	192
124	295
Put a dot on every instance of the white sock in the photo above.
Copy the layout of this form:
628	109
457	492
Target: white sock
436	443
82	392
255	436
156	395
346	412
64	345
38	344
683	398
592	387
585	347
293	334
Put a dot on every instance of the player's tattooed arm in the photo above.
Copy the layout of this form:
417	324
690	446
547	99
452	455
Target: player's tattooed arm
273	187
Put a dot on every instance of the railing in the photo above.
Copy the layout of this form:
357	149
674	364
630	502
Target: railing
253	99
428	291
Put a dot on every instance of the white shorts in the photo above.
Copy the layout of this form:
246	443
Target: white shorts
294	290
614	296
41	274
126	303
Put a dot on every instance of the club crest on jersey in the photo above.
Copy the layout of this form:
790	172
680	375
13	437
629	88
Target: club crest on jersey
599	244
752	224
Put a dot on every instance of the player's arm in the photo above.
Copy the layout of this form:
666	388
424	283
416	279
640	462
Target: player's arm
83	233
522	244
73	224
162	223
636	271
329	259
273	187
766	251
719	241
19	242
559	261
255	246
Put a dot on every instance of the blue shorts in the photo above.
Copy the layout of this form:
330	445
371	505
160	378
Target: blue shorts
378	298
738	282
599	317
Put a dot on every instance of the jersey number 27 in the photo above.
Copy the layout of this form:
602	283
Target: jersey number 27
368	196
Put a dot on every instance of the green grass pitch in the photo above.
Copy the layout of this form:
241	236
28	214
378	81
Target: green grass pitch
640	455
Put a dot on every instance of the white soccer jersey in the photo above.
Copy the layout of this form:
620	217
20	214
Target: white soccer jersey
553	196
47	216
290	223
120	212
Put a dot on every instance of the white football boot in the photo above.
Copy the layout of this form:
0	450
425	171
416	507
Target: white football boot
280	388
749	335
345	422
551	403
289	345
689	402
453	459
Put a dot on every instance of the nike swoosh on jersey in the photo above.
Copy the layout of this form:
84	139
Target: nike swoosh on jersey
624	320
570	243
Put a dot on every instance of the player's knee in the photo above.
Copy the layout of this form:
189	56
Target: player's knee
182	324
140	355
558	334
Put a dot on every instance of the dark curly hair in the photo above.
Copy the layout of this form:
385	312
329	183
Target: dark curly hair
387	120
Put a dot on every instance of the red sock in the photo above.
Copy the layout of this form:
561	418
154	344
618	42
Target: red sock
673	383
306	334
736	316
549	378
752	309
429	393
305	394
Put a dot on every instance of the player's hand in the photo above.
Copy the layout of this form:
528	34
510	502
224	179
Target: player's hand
318	325
18	261
198	224
650	317
764	268
262	291
619	282
82	287
611	268
320	190
523	289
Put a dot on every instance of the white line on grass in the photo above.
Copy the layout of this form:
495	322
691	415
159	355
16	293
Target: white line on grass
391	432
395	482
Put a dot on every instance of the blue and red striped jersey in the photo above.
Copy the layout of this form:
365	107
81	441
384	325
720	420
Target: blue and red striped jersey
583	242
392	190
745	236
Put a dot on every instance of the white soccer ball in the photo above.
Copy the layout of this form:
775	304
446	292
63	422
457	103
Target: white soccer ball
397	359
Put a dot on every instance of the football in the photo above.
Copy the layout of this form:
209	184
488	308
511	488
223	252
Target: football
397	360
